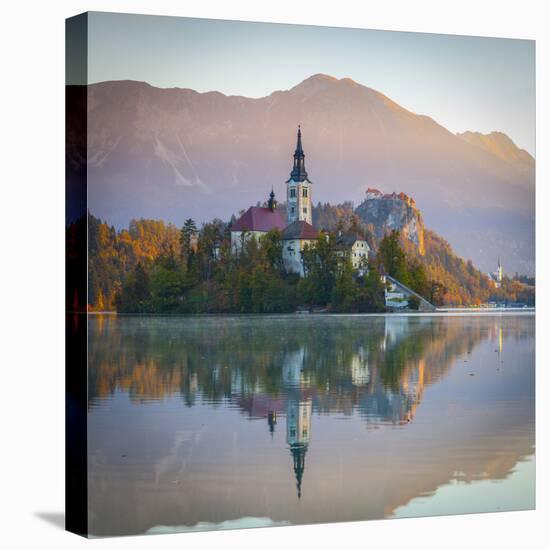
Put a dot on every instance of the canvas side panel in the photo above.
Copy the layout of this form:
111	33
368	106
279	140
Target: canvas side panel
76	493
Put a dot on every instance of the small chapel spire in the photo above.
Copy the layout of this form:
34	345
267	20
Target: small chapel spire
271	203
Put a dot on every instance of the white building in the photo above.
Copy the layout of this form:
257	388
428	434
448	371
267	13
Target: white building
295	238
399	296
299	203
395	297
356	248
497	276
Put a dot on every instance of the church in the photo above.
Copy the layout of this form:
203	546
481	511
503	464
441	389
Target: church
297	230
496	277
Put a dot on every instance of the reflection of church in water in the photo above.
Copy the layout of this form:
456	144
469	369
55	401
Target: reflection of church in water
361	390
298	429
298	409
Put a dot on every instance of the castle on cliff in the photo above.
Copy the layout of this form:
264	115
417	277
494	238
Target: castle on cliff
376	194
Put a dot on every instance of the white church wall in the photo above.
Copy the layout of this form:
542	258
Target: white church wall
359	254
238	238
292	255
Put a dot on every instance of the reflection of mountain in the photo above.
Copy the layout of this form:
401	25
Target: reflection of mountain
341	411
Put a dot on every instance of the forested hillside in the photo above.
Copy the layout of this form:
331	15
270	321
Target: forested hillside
152	267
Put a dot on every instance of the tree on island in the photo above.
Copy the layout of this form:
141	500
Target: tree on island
192	270
136	294
392	259
186	238
320	267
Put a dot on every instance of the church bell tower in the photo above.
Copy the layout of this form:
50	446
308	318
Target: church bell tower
299	188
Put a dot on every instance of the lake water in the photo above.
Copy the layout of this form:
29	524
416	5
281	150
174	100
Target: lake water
221	422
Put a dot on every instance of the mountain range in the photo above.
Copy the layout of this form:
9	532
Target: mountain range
177	153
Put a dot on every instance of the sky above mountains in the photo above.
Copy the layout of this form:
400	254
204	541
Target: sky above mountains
464	83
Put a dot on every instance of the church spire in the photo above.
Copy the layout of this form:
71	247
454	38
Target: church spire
298	454
299	148
298	172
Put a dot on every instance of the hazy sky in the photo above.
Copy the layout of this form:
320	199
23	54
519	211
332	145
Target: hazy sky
464	83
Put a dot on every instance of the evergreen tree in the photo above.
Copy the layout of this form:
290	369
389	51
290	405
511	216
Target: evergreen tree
371	293
344	296
186	239
141	288
392	259
418	279
320	264
272	245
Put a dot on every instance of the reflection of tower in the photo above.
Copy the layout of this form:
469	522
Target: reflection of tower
298	424
271	420
500	343
293	367
496	337
396	328
360	372
413	382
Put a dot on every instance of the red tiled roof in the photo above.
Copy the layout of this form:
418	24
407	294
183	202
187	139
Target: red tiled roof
257	218
299	230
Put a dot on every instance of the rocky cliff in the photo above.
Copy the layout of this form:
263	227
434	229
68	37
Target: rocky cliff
383	213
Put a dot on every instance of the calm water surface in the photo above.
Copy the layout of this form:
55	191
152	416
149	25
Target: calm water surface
220	422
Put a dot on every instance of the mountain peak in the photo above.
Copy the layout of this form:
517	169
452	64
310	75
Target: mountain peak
502	146
320	77
320	82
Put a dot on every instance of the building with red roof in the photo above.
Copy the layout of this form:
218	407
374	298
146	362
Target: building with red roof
256	222
372	193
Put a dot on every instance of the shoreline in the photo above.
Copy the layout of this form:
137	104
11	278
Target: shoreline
454	312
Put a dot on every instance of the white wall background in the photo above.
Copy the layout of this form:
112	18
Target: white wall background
32	273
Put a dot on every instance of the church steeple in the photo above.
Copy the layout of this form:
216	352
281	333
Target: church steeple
298	454
298	431
298	187
298	172
499	271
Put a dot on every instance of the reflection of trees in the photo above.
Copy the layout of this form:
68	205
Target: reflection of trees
284	370
378	365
